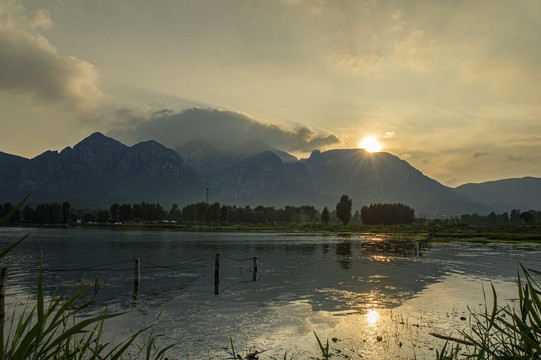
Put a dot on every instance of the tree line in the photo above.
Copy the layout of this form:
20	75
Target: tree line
55	213
204	213
387	214
46	213
375	214
515	217
215	213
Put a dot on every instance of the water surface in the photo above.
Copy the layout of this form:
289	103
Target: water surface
357	288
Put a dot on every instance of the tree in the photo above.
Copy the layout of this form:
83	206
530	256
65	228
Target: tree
29	214
213	213
55	214
515	216
89	217
16	217
66	206
391	214
343	209
125	212
174	213
225	213
325	215
115	212
75	216
527	216
356	217
103	216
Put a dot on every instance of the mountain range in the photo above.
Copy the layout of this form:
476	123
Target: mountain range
99	171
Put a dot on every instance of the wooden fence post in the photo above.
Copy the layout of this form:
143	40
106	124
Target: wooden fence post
256	266
136	279
3	283
217	275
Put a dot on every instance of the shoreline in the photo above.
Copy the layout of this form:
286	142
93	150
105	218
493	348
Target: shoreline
508	233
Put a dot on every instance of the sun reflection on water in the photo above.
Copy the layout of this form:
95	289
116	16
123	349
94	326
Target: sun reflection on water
380	258
372	317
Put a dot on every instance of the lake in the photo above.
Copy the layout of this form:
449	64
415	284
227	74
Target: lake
379	295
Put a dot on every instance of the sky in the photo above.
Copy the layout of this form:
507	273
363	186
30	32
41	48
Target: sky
452	87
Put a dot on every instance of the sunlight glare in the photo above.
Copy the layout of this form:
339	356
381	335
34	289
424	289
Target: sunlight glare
370	144
372	317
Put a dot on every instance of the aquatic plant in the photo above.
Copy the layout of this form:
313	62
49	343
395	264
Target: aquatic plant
505	332
51	331
511	331
324	349
325	352
237	356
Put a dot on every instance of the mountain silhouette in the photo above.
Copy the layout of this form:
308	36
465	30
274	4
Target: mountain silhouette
99	171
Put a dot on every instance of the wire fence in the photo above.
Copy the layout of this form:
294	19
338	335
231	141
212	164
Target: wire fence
134	280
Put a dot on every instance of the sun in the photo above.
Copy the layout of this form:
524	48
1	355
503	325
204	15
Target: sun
370	144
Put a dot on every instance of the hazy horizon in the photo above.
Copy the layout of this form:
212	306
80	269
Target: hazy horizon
452	88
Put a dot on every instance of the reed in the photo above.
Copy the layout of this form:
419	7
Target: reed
505	332
324	349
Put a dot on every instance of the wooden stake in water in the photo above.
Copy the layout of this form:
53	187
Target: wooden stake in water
217	275
136	279
3	283
256	266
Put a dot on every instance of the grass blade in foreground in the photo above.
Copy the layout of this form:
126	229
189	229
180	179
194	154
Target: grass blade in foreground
324	350
505	332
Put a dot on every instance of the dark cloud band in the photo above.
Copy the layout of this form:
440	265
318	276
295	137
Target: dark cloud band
220	128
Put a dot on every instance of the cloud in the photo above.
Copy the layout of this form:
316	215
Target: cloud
512	158
221	128
355	61
480	154
394	45
31	66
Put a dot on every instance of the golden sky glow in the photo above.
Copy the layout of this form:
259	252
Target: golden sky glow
454	88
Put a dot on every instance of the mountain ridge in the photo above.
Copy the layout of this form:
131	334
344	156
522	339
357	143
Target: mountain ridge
100	170
513	193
